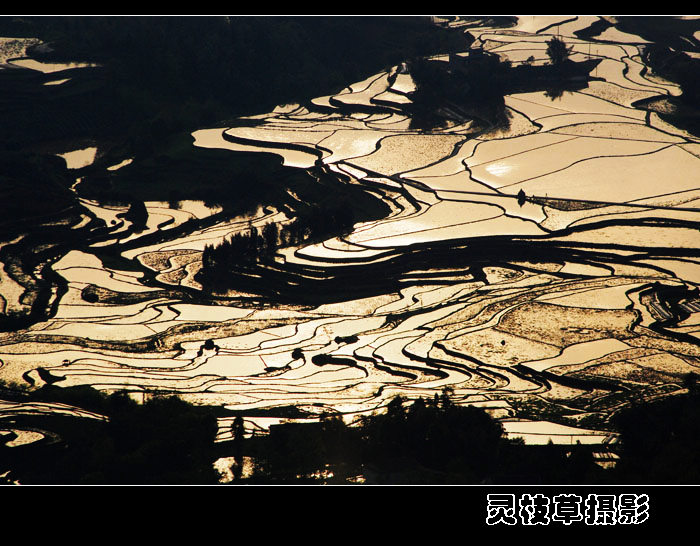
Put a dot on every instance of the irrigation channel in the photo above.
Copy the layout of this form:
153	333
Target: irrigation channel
569	301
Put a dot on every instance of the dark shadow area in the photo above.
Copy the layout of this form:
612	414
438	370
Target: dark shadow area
163	75
427	442
32	185
37	210
164	441
671	38
597	28
667	31
661	440
677	66
318	215
473	85
160	78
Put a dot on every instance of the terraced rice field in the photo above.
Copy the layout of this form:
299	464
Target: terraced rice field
560	303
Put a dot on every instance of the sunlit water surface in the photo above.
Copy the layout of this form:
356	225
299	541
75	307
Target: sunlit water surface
488	333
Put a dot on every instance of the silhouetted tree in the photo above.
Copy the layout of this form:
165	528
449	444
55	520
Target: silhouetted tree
557	50
395	409
297	353
690	382
137	215
237	429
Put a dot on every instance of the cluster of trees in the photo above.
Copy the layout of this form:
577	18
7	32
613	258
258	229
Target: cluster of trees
244	245
164	441
435	441
436	434
429	441
557	50
137	214
254	244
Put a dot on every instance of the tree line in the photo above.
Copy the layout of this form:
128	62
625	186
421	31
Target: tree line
255	244
430	440
425	441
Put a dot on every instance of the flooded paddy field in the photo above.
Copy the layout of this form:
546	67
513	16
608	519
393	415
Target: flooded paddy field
546	270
